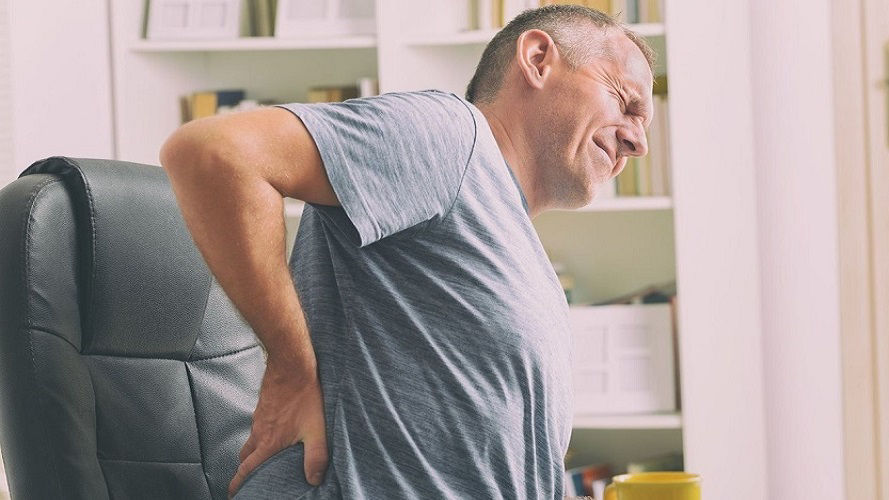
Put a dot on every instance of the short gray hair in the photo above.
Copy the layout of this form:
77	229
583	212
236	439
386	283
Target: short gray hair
566	25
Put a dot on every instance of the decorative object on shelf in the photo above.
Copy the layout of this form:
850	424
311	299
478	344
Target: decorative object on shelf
624	359
193	19
321	18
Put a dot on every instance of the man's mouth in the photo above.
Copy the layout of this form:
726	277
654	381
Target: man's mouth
608	154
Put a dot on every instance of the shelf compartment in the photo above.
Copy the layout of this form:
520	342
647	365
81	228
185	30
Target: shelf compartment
254	43
641	421
485	36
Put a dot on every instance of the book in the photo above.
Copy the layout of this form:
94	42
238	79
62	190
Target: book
643	176
368	86
652	294
651	11
207	103
619	9
332	93
659	463
659	148
606	6
588	480
626	181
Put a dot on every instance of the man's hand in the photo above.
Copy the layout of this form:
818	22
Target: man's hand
290	410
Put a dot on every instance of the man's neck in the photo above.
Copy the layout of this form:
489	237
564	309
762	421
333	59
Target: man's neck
515	151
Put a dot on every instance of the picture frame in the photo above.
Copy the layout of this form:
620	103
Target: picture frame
193	19
324	18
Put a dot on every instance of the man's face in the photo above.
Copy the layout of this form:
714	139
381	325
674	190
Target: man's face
592	120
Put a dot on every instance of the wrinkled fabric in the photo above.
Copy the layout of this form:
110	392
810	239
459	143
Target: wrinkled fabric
439	325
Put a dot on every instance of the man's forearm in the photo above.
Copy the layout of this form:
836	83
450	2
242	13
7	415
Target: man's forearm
236	220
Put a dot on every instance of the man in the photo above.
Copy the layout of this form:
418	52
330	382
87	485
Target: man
418	347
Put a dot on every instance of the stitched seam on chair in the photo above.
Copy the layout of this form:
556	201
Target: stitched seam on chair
197	430
26	269
169	359
203	316
93	231
54	334
146	461
224	355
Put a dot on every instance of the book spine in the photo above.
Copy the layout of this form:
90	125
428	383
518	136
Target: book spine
632	16
485	14
626	181
618	9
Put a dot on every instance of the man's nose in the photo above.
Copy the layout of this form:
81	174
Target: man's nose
632	141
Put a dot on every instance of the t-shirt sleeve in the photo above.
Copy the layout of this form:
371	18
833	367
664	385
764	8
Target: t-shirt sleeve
395	160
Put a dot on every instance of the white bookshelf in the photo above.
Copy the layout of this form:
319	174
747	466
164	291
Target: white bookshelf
264	43
651	421
294	208
629	203
614	246
472	37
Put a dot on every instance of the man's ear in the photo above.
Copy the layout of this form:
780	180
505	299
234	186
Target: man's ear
536	54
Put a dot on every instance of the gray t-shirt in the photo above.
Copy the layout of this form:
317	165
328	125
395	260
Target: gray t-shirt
439	325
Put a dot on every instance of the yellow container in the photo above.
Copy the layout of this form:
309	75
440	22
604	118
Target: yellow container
655	486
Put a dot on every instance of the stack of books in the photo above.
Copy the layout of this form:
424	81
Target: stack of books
208	103
365	87
588	480
626	11
491	14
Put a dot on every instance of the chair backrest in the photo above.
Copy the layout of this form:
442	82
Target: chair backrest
125	370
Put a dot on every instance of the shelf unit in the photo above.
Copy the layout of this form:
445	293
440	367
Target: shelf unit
263	43
484	36
650	421
294	208
615	245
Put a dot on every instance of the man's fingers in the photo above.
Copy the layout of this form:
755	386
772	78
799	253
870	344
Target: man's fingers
248	447
247	465
315	459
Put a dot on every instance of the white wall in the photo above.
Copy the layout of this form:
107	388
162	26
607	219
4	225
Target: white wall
60	86
792	74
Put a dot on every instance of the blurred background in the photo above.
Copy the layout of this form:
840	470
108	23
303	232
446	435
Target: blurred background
729	293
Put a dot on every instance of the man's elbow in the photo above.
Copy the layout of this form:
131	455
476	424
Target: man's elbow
188	147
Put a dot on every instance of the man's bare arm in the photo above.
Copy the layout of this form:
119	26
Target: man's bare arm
229	174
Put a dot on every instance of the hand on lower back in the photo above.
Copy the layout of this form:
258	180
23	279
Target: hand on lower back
290	410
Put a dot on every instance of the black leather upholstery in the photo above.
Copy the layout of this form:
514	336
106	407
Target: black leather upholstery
125	370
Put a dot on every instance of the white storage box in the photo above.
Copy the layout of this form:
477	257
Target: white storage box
623	359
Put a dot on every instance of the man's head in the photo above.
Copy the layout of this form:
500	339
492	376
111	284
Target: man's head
576	87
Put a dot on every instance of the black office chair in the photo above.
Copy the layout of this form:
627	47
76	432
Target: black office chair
125	370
